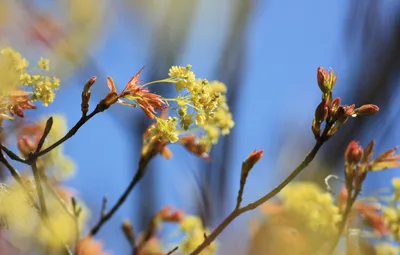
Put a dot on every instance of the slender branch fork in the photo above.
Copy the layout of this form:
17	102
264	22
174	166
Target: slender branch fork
240	210
104	217
32	159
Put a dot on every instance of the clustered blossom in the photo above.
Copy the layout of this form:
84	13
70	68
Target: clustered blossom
14	99
358	163
208	102
201	110
331	110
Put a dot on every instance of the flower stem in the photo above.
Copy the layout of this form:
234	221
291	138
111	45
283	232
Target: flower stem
168	80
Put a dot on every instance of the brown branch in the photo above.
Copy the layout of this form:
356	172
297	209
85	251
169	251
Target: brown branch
70	133
11	154
47	129
173	250
144	160
17	177
39	188
77	211
349	204
238	211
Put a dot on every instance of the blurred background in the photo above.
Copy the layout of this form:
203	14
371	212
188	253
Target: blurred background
267	52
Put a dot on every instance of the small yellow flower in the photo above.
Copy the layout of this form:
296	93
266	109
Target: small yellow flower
25	79
186	121
165	130
55	83
43	64
182	76
181	101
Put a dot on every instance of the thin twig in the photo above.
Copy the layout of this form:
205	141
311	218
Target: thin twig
70	133
39	188
49	187
11	154
238	211
103	207
77	212
17	177
144	160
243	178
349	204
47	129
173	250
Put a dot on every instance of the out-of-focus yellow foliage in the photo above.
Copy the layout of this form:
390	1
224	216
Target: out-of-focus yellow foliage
311	207
304	219
386	249
24	225
194	230
18	213
61	222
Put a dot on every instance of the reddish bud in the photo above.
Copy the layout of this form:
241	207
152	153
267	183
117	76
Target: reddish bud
354	153
251	160
321	113
316	129
366	110
326	80
360	175
127	228
26	146
167	214
335	105
344	112
190	143
368	151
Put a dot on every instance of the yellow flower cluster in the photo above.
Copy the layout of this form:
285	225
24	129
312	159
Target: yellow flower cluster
56	163
202	104
193	227
182	76
165	129
391	213
386	249
312	207
13	68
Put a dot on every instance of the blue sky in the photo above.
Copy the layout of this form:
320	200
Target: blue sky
286	42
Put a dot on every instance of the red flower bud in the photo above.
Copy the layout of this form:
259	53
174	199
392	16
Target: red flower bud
321	113
26	145
366	110
326	80
251	160
354	153
334	106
